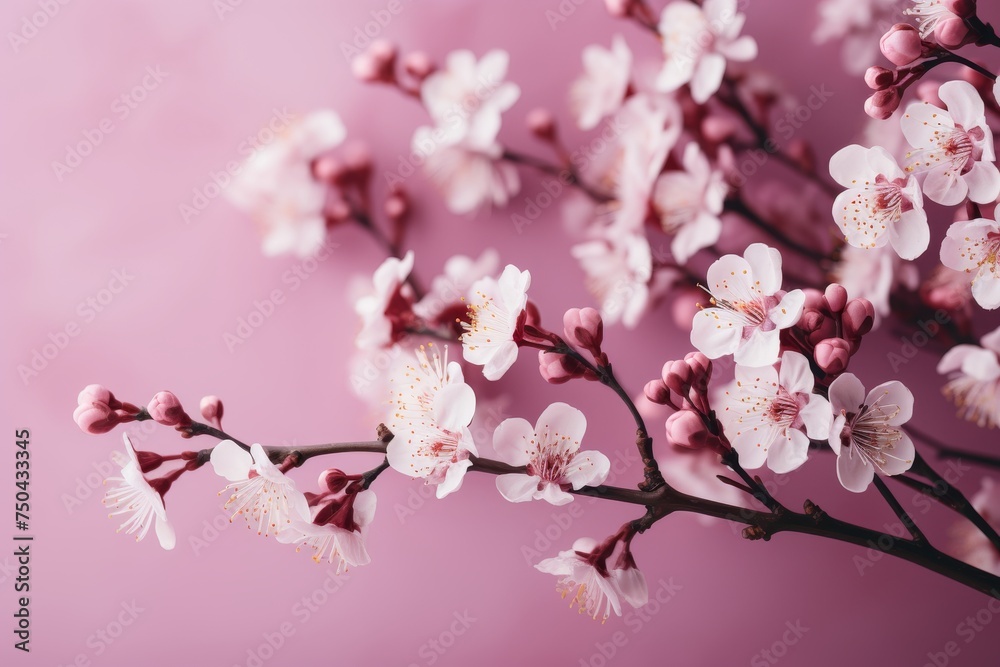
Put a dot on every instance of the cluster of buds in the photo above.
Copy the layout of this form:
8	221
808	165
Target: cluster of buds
379	64
943	25
98	411
583	329
683	385
831	328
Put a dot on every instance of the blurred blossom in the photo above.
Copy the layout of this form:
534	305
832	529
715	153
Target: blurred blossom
873	274
618	270
601	89
697	42
974	380
277	188
969	542
858	24
973	246
689	203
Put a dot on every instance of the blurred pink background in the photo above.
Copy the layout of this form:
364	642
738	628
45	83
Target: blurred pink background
450	582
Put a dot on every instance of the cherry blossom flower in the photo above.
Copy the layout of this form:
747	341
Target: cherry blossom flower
596	591
651	125
619	268
433	408
599	92
859	23
881	204
496	317
277	188
973	246
469	176
974	380
551	452
337	531
467	97
697	41
260	490
970	544
866	436
462	156
929	15
445	297
385	312
749	309
142	505
954	146
771	414
689	203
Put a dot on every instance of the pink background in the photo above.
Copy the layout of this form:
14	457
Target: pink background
290	380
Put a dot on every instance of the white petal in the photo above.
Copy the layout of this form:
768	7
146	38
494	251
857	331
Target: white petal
510	441
707	77
560	419
893	397
765	263
752	446
632	584
715	333
853	471
984	182
788	452
165	534
761	349
517	488
453	478
850	165
795	374
589	468
846	393
788	311
986	289
231	461
454	406
502	359
910	235
817	416
964	103
553	494
900	457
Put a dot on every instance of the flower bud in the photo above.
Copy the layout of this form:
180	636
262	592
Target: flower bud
879	78
98	411
166	409
558	368
882	104
952	33
418	65
542	124
657	392
901	44
377	64
584	328
858	318
686	429
836	297
677	376
619	8
336	480
211	410
832	355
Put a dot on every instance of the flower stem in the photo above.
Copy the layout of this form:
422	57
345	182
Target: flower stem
567	173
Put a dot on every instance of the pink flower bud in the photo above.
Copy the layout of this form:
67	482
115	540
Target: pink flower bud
542	124
677	376
686	429
558	368
701	367
336	480
718	128
657	392
211	410
166	409
901	44
328	169
878	78
377	64
397	206
832	355
619	8
858	318
584	328
418	65
98	411
952	33
836	297
883	103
